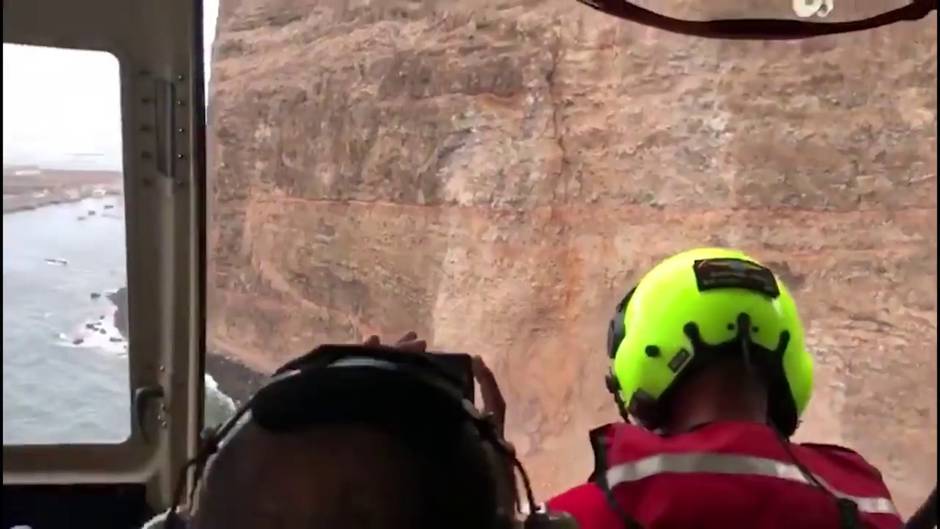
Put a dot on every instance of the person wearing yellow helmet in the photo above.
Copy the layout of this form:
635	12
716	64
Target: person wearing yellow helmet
710	371
708	308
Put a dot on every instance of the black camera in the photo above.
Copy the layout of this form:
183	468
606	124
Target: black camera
457	366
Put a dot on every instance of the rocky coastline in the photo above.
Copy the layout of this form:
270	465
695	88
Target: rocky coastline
27	188
234	378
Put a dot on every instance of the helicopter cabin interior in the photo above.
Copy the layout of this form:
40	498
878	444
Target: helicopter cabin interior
158	47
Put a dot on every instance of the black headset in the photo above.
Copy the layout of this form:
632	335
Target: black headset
290	402
616	332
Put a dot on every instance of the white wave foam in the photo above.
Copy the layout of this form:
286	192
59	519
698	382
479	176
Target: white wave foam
99	333
218	406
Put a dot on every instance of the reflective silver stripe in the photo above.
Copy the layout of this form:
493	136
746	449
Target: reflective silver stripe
344	362
737	465
364	362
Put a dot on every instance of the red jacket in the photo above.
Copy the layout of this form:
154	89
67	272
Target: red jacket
725	475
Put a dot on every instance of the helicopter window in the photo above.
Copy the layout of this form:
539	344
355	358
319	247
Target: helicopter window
65	348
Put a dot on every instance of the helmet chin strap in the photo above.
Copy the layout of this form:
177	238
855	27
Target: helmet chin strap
744	342
754	372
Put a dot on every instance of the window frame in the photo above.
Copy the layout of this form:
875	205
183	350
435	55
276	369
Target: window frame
158	45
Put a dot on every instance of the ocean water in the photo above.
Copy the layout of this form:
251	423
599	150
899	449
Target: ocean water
65	367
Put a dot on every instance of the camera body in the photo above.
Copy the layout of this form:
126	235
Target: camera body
459	367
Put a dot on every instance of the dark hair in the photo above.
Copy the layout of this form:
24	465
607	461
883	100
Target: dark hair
448	478
387	442
460	479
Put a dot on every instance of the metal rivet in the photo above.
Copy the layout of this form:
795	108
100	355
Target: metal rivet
181	130
180	156
180	78
163	424
162	369
181	103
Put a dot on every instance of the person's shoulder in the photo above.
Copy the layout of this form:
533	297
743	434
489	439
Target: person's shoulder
586	504
586	498
833	450
844	454
577	496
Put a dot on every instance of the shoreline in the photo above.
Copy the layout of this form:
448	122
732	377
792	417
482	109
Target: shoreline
31	188
27	189
235	379
19	203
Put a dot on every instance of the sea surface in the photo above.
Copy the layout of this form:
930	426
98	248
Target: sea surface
65	364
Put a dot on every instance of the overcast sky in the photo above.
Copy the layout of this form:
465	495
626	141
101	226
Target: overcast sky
61	108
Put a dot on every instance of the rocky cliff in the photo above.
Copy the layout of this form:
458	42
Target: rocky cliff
496	175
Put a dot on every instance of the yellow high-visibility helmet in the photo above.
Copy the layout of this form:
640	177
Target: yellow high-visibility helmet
694	306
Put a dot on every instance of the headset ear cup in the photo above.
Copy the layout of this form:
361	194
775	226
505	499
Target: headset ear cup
612	339
615	331
615	334
649	412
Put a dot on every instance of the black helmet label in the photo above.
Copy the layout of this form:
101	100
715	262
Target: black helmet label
680	360
713	274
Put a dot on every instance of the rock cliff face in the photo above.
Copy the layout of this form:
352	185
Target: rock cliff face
495	176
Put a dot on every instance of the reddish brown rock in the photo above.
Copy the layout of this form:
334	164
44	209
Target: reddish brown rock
496	177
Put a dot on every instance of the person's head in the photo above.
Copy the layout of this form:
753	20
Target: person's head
706	335
355	476
361	438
